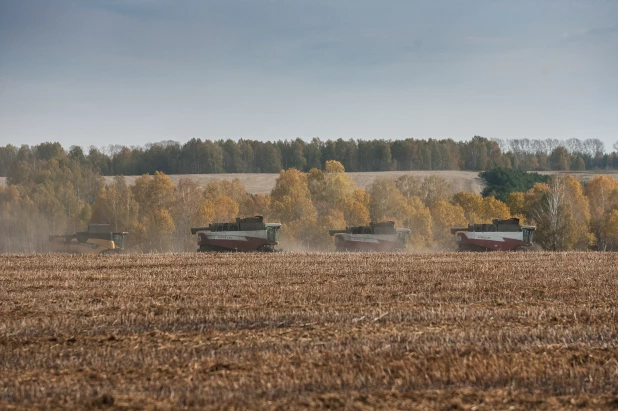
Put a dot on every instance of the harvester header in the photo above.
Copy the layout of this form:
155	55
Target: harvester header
99	239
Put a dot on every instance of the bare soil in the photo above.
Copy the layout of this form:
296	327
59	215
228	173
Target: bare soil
288	331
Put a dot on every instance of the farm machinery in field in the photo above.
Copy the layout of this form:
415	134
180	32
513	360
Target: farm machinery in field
500	235
245	234
99	239
374	237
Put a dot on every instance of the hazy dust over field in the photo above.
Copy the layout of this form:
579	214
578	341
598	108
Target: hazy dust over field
362	331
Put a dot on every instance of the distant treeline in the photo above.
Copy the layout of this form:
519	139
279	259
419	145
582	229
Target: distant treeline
250	156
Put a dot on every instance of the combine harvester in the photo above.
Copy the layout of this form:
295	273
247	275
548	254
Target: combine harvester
374	237
99	239
501	235
246	234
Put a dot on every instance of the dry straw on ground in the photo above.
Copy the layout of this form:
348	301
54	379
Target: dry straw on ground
354	331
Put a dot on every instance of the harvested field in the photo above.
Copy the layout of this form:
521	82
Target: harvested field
354	331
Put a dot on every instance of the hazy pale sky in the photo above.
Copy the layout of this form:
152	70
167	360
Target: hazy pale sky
99	72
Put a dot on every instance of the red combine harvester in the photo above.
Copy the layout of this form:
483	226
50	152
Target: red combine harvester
374	237
501	235
246	234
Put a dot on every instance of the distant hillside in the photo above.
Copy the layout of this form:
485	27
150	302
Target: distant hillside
263	183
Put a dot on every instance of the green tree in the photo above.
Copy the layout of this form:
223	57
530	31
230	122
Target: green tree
267	158
559	159
578	164
500	182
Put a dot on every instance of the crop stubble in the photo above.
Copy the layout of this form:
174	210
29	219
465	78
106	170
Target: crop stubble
354	331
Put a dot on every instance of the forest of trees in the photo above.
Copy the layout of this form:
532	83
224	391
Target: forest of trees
54	192
501	182
250	156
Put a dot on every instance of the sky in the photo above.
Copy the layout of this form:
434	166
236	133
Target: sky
132	72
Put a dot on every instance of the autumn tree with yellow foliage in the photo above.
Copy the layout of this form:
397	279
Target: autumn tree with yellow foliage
428	189
46	196
389	204
185	213
338	202
62	195
561	214
602	194
445	215
115	205
156	197
19	219
332	195
516	202
291	205
609	231
479	209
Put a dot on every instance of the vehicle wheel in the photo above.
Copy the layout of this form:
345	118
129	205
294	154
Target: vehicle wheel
520	248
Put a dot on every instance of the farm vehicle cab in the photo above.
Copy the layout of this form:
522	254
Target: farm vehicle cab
374	237
500	235
99	239
245	234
